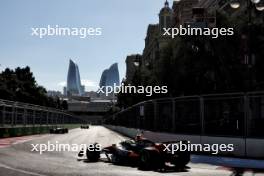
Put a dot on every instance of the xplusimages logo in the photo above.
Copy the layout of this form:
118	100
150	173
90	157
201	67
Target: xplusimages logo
61	147
190	147
60	31
196	31
130	89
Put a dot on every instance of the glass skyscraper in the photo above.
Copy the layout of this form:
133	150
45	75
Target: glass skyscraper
110	76
74	86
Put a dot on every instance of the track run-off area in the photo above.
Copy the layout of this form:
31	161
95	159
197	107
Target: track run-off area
18	159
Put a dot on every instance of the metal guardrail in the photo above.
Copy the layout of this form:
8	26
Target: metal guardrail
231	114
16	114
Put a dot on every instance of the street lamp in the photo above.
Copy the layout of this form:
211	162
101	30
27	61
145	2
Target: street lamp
259	4
235	4
136	61
255	1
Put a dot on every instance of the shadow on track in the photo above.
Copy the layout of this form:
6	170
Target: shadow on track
239	171
166	169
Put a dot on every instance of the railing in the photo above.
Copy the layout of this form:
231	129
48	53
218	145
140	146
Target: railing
234	114
15	114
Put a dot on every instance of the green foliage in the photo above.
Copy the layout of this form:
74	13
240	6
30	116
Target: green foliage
201	65
20	85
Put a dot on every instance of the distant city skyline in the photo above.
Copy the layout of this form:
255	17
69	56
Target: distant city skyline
124	26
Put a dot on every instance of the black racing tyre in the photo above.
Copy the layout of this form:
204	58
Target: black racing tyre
93	156
115	159
182	160
81	153
66	130
51	131
150	160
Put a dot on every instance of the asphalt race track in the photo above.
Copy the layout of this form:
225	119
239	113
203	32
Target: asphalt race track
16	157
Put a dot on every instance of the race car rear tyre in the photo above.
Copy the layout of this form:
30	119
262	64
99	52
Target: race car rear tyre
115	159
51	131
150	160
182	160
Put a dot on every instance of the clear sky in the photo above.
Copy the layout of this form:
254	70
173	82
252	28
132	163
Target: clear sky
123	22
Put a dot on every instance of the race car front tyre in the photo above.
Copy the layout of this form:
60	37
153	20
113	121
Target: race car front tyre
93	156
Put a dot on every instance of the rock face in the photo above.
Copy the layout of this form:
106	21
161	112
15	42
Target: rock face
110	76
73	80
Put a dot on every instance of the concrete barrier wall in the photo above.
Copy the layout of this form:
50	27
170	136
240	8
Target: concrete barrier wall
242	147
154	136
255	147
22	131
29	130
130	132
238	144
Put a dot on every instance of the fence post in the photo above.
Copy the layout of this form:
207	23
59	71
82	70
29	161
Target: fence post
155	115
63	120
59	118
51	119
173	116
3	116
247	118
40	118
47	118
113	120
202	114
247	115
142	116
24	117
13	115
56	119
34	117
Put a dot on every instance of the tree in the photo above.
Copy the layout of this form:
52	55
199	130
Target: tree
20	85
192	65
64	105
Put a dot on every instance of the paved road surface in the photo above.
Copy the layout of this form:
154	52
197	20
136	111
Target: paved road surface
17	159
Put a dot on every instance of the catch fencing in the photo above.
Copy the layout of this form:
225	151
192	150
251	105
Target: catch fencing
231	115
16	114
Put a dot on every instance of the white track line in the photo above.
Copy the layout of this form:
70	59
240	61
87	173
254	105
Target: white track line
20	170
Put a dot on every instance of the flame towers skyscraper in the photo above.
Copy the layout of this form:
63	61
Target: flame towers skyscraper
110	76
74	86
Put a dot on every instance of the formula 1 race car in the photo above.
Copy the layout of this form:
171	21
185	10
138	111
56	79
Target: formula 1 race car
59	130
85	126
143	153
